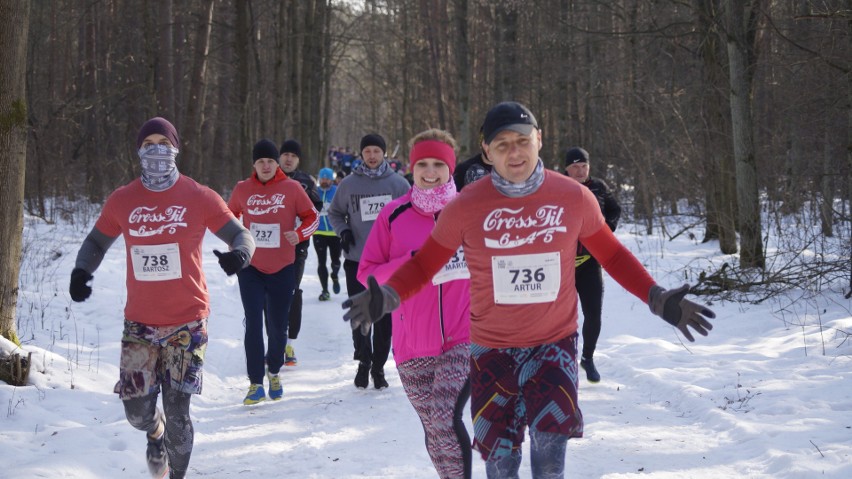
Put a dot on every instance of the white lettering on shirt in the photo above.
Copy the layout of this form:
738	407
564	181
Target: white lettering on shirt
167	220
507	222
260	205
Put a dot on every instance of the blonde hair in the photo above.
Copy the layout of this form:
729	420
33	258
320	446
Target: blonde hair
434	134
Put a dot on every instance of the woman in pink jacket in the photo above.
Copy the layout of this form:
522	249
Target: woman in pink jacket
431	330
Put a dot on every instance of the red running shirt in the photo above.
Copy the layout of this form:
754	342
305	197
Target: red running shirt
163	232
268	210
520	252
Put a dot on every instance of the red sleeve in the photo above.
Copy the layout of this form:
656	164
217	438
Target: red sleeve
619	262
234	204
419	270
218	213
310	223
106	223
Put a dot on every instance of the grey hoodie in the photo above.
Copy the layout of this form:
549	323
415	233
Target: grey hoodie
359	190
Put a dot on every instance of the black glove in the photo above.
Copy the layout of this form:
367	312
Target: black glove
367	307
79	288
680	312
232	261
347	240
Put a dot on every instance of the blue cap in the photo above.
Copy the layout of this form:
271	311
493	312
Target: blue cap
326	173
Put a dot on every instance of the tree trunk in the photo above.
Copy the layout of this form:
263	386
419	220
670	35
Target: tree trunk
719	164
327	71
310	84
193	154
14	26
463	78
241	51
849	145
91	147
505	52
165	60
740	30
827	197
427	12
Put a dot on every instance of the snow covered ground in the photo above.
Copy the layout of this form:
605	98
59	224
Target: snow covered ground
764	396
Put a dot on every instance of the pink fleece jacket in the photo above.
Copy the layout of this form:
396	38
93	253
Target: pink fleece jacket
436	318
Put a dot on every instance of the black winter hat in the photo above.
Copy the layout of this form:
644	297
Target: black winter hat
264	149
291	146
576	155
509	115
373	140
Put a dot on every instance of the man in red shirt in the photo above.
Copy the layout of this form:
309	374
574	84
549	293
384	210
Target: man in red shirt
520	231
163	217
269	203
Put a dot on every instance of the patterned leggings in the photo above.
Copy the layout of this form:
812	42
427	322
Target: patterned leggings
438	388
143	414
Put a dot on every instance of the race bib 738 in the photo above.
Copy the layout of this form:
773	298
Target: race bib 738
160	262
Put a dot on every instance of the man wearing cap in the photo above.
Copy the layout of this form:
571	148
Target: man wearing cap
326	242
520	231
355	206
290	156
589	278
162	216
270	205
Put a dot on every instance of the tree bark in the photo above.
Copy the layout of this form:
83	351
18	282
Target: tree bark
165	60
192	152
741	20
14	27
719	165
827	189
849	142
463	77
427	12
241	51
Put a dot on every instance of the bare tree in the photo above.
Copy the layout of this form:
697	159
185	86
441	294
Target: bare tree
741	37
14	24
192	152
720	192
463	75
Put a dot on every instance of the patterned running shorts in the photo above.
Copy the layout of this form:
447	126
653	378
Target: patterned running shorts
152	355
513	388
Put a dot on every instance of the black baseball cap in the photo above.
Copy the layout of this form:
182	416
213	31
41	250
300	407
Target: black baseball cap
508	115
576	155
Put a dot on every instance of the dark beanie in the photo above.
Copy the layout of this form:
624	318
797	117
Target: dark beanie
264	149
158	125
373	140
576	155
291	146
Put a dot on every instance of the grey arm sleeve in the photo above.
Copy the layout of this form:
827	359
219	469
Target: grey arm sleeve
337	213
92	250
237	237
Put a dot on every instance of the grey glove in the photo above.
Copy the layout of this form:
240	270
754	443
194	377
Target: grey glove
367	307
678	311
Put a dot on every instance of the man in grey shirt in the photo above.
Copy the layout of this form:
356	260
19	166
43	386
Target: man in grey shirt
359	198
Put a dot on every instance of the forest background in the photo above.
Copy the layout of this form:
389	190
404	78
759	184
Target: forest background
737	113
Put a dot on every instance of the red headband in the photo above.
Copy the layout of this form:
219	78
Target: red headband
433	149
